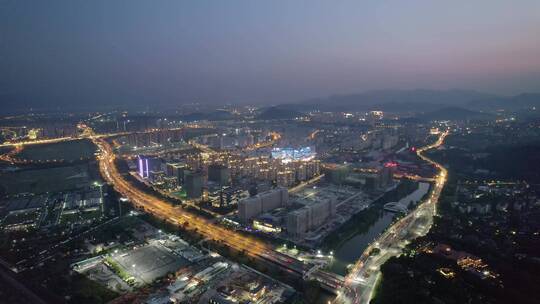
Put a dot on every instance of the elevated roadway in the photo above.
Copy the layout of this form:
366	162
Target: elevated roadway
209	230
164	210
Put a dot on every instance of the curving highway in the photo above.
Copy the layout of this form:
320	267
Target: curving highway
164	210
362	279
175	215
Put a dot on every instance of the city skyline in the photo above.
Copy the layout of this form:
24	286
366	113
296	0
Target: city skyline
240	151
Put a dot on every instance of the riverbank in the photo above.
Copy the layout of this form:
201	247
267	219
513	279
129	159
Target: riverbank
349	241
360	222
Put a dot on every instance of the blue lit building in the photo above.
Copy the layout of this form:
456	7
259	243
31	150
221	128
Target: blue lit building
290	154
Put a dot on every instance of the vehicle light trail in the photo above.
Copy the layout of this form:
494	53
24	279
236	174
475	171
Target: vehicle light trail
361	280
164	210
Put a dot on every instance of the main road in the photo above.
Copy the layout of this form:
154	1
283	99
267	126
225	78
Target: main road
209	230
152	204
166	211
175	215
362	279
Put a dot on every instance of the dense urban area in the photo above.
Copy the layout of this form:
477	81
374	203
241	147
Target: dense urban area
268	152
268	205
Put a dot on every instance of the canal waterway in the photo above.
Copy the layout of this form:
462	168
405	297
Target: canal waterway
348	252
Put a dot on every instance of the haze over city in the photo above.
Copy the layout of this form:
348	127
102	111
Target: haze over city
265	152
175	52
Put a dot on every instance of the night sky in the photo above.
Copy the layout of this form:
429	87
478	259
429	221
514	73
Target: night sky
172	52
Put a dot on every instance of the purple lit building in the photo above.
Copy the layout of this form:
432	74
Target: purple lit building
146	164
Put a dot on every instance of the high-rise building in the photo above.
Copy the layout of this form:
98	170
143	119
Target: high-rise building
310	217
193	183
146	164
219	174
253	206
385	176
170	169
286	178
177	170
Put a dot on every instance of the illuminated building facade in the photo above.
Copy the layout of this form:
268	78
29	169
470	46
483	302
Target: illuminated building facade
290	154
147	164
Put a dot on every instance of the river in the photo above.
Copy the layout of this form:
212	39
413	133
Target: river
348	252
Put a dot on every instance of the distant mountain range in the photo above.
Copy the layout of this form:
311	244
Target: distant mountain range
278	112
454	113
417	101
517	102
212	116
